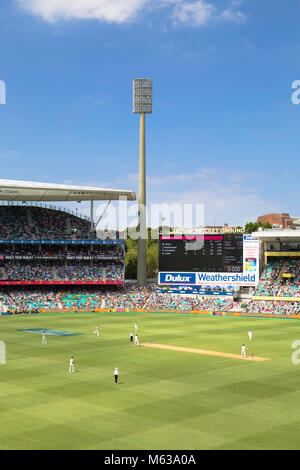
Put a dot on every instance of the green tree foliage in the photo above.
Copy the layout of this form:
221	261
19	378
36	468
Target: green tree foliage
131	253
253	226
131	250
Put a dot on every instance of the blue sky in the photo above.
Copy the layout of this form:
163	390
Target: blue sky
224	131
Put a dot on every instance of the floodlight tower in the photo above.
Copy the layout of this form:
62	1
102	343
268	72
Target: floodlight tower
142	104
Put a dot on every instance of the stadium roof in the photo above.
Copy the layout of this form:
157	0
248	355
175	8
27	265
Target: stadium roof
269	235
11	190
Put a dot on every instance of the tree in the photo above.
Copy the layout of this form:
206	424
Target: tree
131	250
131	254
152	260
253	226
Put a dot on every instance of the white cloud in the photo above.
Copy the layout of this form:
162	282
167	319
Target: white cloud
188	12
117	11
226	195
232	204
235	16
193	13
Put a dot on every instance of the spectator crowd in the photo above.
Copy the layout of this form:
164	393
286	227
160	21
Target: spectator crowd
131	298
274	307
33	222
281	278
50	271
125	299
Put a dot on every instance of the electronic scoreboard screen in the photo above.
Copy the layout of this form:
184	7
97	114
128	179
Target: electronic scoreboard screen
201	253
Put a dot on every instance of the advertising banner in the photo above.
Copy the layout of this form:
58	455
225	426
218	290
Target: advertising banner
192	290
56	283
211	279
282	253
61	242
282	299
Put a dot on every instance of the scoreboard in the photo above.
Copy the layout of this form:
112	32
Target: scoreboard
208	253
221	259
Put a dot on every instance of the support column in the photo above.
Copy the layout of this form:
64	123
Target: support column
92	215
142	240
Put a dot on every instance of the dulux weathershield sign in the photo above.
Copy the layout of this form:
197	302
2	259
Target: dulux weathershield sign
177	278
212	279
225	278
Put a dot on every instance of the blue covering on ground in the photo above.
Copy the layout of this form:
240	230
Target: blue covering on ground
49	332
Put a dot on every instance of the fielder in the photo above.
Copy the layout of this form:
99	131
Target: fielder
71	367
96	331
135	328
250	334
243	353
44	341
136	340
116	374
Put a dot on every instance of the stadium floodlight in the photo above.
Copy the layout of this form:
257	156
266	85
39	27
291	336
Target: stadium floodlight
142	95
142	104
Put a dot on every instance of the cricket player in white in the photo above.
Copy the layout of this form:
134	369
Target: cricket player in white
136	340
71	368
135	328
96	331
44	341
250	334
116	374
243	353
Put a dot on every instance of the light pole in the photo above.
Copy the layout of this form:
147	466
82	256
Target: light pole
142	104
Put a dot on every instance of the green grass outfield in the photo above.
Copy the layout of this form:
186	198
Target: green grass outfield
165	400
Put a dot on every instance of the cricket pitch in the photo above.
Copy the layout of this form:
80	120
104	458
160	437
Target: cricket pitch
203	351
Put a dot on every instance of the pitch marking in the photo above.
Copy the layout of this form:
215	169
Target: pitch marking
204	351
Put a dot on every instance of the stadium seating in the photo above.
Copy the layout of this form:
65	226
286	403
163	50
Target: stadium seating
32	222
28	272
269	283
185	303
274	307
81	300
131	298
56	262
55	271
290	287
78	272
90	299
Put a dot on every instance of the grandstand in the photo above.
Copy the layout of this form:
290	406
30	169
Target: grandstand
40	244
278	291
102	298
51	247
